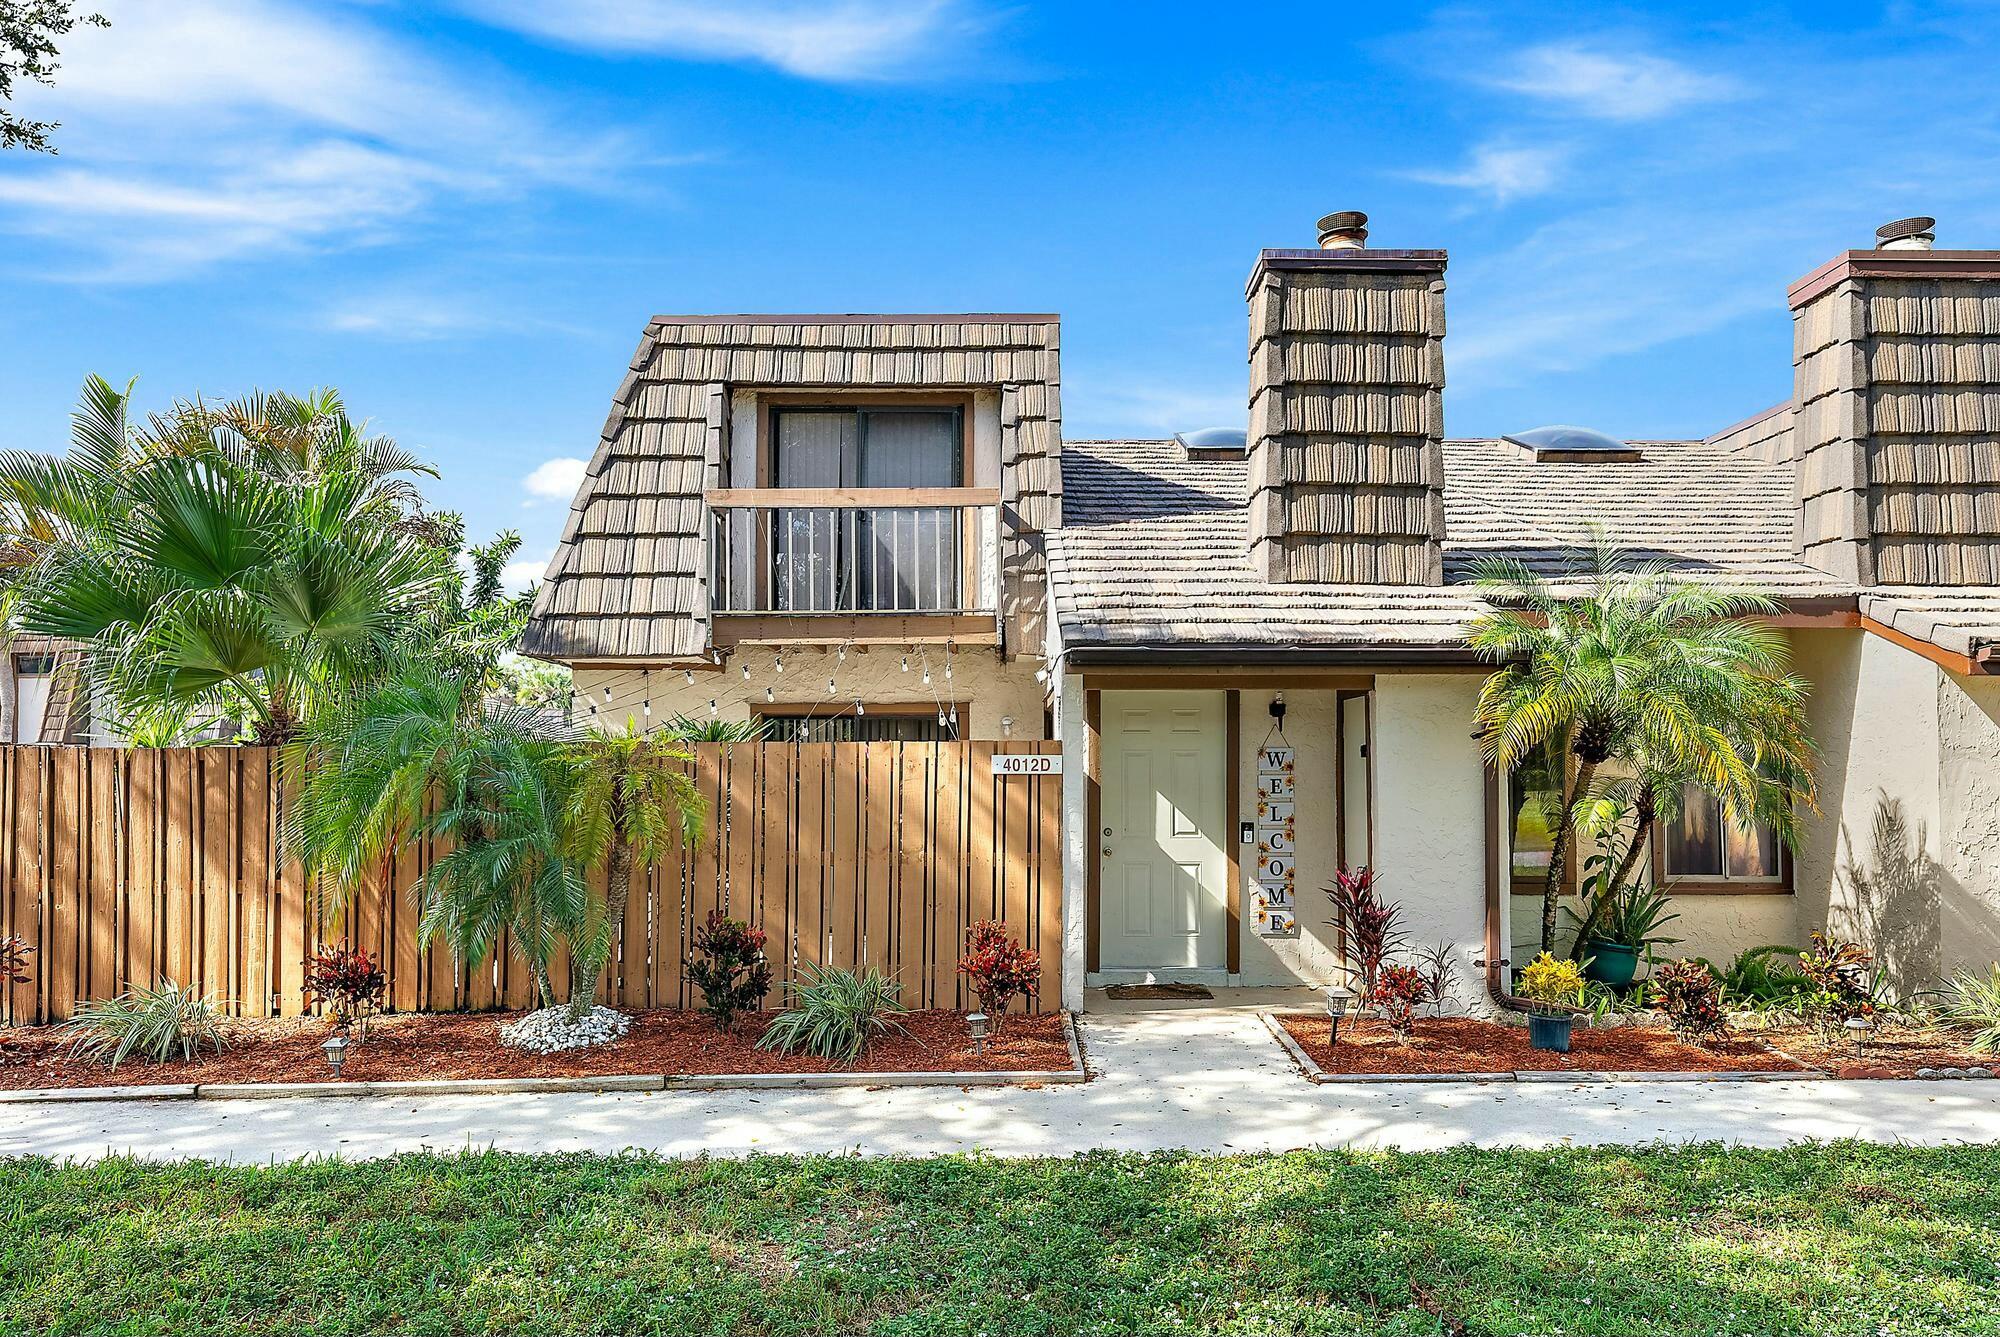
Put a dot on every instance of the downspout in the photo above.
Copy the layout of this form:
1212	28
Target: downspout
1495	960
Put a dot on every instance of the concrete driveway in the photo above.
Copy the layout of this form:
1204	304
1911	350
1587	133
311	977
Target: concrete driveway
1197	1078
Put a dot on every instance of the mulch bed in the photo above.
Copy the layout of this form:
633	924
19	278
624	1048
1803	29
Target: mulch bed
1892	1050
458	1045
1468	1045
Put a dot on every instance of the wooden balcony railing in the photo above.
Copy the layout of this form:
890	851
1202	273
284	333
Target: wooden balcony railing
854	551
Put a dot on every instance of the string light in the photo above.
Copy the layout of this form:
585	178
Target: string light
690	676
648	707
906	663
770	695
830	688
781	661
746	670
713	709
859	709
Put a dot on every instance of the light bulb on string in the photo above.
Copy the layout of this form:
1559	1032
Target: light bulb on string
690	676
906	663
859	709
927	675
713	709
746	670
770	695
781	661
830	688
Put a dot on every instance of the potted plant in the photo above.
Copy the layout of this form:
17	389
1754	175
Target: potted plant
1625	929
1552	991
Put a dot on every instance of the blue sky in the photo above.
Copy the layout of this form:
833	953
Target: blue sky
461	214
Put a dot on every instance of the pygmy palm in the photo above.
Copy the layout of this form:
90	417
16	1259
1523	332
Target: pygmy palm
631	801
1622	662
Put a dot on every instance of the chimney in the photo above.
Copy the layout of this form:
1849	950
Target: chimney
1346	411
1896	387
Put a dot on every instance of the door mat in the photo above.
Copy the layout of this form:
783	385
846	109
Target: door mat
1157	991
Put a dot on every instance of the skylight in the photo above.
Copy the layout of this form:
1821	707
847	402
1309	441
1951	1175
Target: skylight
1213	438
1573	444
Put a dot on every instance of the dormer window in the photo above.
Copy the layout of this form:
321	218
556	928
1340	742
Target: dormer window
841	446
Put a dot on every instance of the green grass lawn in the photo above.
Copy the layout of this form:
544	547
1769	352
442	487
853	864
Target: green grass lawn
1842	1239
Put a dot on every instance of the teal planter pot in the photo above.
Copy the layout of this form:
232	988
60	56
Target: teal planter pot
1612	964
1550	1032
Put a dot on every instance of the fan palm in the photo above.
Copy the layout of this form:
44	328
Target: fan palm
217	568
630	802
1625	664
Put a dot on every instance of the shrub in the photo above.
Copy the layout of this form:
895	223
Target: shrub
730	968
1842	977
1973	1001
836	1014
1434	963
1371	928
1760	977
1686	993
348	982
1399	991
14	954
157	1024
998	968
1548	980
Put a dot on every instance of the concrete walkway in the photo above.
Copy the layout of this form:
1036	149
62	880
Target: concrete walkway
1208	1080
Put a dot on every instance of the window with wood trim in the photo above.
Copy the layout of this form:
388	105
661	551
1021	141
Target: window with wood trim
902	558
1536	795
1702	845
878	725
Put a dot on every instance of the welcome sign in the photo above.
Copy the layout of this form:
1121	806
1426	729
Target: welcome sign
1275	911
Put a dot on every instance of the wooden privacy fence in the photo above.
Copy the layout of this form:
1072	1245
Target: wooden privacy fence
135	865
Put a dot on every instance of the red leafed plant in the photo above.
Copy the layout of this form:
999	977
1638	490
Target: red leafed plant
730	968
348	982
1687	994
998	968
14	953
1371	928
1399	991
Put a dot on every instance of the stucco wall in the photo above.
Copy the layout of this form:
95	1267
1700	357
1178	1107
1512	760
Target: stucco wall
1714	927
986	689
1969	819
1868	865
1429	813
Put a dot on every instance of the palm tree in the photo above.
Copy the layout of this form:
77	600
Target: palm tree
256	557
630	803
219	591
412	760
1624	664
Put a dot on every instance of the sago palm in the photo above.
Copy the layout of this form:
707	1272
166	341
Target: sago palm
1623	662
631	802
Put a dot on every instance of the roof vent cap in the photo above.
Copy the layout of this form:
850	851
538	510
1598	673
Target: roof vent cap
1344	231
1230	440
1907	234
1574	445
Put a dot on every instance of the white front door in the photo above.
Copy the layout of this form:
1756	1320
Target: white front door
1164	876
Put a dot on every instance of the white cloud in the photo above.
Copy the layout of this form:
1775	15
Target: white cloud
1599	82
517	576
210	129
556	479
1505	173
836	40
